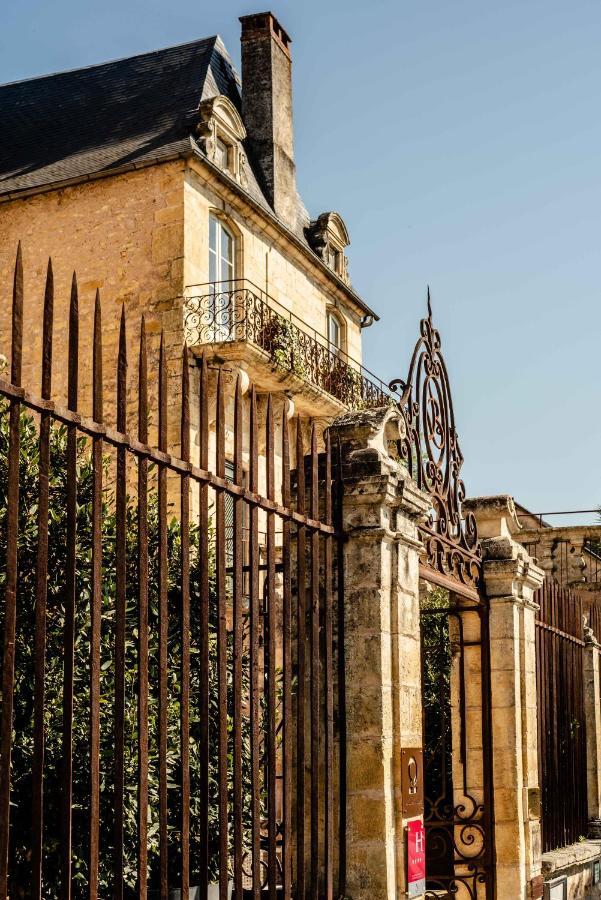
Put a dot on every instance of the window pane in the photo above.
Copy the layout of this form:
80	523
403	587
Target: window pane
334	331
213	228
227	246
227	270
221	154
213	276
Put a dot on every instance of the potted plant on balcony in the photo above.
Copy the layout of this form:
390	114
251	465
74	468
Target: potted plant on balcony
280	339
345	383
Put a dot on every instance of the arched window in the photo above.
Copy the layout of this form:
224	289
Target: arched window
222	249
222	255
335	332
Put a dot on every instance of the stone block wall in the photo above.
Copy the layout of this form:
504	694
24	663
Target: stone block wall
122	235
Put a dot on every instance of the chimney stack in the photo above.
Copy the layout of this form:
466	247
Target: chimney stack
267	109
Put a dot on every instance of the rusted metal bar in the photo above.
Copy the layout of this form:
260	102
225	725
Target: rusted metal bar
137	448
203	523
340	675
270	664
487	753
328	676
163	630
41	597
562	738
120	608
10	588
563	634
255	633
142	873
287	668
95	608
314	642
271	765
301	666
238	611
185	628
221	643
70	596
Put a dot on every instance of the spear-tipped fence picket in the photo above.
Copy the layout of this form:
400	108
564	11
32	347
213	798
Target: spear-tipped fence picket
272	608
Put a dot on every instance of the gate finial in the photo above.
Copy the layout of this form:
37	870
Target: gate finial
429	304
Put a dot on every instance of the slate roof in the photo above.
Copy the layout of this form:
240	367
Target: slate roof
116	114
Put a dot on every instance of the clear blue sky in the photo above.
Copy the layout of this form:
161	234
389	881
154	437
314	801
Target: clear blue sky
461	143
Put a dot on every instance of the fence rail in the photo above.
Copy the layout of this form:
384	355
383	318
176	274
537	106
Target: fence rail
226	313
561	716
173	724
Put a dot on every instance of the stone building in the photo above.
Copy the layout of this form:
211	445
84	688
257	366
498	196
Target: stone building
168	184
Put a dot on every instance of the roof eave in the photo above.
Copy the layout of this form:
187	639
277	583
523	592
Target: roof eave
188	152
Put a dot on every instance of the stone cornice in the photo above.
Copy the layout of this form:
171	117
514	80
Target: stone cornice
509	572
495	516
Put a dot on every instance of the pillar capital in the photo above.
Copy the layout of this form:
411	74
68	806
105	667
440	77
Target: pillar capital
378	491
495	516
510	574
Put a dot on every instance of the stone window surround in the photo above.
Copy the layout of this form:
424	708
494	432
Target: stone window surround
221	122
329	238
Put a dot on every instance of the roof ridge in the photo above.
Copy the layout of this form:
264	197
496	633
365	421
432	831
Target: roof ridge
214	38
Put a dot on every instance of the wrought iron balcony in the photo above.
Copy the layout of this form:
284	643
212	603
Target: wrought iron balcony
231	312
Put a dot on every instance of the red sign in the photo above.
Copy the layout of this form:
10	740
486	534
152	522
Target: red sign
416	858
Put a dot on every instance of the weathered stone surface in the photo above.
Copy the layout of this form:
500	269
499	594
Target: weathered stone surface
511	577
382	648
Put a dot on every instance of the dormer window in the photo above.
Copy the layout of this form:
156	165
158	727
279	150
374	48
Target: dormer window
333	258
221	133
328	237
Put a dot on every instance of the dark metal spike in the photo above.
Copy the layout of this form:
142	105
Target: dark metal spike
97	361
122	375
73	345
17	320
47	333
162	396
143	385
185	431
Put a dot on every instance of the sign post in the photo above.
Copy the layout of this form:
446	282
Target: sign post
416	858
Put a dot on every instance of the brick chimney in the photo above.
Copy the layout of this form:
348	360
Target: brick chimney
267	109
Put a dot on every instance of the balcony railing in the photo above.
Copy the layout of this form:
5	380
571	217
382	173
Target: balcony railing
238	311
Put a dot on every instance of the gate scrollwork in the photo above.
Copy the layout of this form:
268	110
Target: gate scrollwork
430	450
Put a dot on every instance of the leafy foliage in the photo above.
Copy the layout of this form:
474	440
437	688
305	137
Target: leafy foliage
24	667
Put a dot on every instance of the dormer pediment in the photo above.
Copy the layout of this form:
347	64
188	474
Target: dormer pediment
220	111
221	132
328	236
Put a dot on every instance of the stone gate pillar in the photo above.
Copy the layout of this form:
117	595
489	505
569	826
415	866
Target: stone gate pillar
381	510
510	580
592	711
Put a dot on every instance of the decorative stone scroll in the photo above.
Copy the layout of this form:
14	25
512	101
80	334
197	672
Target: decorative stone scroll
430	450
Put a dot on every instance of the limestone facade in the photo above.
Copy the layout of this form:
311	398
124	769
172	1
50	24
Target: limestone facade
511	579
382	509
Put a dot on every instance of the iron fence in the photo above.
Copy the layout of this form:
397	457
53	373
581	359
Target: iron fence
225	313
561	716
173	722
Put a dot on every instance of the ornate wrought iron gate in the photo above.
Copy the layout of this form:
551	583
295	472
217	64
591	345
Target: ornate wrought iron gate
455	647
